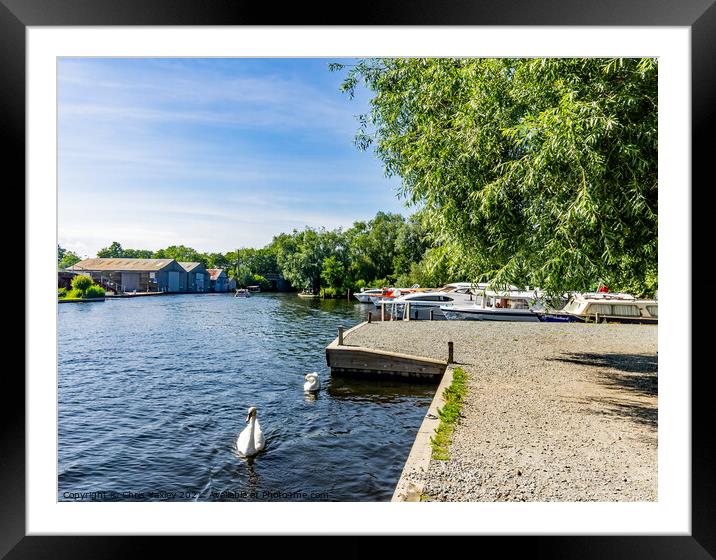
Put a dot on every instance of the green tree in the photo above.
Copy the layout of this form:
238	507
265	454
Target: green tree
82	282
536	171
300	255
217	260
413	240
116	251
65	258
372	246
333	274
256	261
180	253
137	254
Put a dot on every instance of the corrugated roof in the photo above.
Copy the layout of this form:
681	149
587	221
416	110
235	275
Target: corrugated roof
214	272
189	266
151	265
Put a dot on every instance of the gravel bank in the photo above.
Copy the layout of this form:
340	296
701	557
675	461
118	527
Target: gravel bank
554	412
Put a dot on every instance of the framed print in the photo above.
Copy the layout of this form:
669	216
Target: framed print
220	377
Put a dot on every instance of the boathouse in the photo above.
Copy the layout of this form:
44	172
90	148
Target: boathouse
218	280
277	281
196	278
130	275
64	279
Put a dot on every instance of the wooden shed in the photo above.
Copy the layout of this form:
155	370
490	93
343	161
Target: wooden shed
218	279
133	275
196	278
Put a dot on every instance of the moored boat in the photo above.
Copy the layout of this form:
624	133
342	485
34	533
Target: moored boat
241	292
307	294
600	307
366	295
429	300
513	305
391	294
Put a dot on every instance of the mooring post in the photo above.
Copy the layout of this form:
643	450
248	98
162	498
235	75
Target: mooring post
431	314
340	335
450	349
382	311
370	316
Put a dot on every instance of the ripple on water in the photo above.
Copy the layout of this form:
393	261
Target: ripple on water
153	393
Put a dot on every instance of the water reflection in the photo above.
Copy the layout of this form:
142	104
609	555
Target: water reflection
378	390
170	379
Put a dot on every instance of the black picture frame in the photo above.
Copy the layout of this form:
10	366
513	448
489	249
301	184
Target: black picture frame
698	15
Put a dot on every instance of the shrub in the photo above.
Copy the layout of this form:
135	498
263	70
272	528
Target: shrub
94	291
81	282
73	294
382	282
329	292
261	281
62	292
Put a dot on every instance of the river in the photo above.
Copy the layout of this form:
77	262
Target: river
153	392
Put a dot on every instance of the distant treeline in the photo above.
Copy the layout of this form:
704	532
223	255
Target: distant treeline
526	171
387	250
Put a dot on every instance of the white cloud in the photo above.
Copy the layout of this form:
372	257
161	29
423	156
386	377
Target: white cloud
171	152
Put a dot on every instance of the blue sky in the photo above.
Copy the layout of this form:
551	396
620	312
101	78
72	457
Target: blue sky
210	153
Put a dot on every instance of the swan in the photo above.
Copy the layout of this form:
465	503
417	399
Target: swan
251	439
312	382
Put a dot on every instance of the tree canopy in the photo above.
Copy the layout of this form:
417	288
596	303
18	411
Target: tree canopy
535	171
384	250
116	251
66	258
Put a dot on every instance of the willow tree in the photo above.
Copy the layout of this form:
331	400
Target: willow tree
537	171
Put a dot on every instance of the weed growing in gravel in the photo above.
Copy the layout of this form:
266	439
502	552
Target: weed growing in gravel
449	415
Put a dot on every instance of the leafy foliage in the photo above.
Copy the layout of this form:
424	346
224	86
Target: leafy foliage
536	171
300	255
116	251
94	291
81	282
181	253
449	415
333	274
65	258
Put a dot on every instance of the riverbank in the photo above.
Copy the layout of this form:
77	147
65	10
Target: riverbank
553	412
171	379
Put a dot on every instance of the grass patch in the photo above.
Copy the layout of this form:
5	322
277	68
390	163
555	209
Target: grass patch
449	415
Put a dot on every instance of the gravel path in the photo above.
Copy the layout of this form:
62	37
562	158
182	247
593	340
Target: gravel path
554	412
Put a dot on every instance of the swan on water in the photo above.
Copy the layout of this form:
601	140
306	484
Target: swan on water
312	382
251	439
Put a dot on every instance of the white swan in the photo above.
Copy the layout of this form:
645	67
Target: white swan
312	382
251	439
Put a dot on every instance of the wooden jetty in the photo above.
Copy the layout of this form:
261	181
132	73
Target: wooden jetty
368	362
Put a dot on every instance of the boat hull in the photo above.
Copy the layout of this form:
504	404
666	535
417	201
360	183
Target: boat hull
568	318
558	318
478	314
